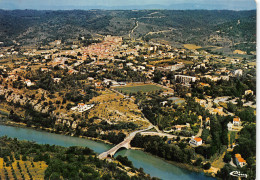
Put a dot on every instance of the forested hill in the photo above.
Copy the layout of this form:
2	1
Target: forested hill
183	26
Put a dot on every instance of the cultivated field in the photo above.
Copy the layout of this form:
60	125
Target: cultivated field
22	169
136	88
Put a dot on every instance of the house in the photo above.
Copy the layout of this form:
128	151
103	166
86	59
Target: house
195	141
178	127
56	80
238	72
163	103
247	92
45	69
230	126
84	107
29	83
72	71
207	121
236	121
239	160
98	84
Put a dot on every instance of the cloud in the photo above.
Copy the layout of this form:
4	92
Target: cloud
72	4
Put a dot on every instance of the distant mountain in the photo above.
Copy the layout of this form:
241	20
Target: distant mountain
182	26
196	5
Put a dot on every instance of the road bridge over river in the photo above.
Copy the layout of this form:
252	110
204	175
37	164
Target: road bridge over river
123	144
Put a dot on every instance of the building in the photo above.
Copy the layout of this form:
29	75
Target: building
56	80
195	141
247	92
29	83
84	107
230	126
207	120
172	67
236	121
239	160
185	79
238	72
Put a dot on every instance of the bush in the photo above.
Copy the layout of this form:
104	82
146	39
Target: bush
207	166
198	162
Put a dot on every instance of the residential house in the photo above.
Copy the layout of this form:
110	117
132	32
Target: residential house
236	121
84	107
239	160
56	80
230	126
247	92
195	141
29	83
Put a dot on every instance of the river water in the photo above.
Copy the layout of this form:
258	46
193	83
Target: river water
152	165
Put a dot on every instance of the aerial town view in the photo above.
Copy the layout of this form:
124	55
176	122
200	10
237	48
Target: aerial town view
135	90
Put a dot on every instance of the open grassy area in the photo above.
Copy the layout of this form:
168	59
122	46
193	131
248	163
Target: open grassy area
239	52
191	46
114	107
232	136
136	88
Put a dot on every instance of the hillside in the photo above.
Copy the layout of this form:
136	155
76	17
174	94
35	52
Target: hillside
177	26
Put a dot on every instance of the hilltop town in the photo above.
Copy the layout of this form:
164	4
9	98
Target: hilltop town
186	104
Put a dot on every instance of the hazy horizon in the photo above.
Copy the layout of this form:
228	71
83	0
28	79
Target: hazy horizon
131	4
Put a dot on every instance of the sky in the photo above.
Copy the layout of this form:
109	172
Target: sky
127	4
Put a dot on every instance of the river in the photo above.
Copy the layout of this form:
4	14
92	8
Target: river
152	165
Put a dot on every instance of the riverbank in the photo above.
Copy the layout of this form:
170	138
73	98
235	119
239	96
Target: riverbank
179	165
49	130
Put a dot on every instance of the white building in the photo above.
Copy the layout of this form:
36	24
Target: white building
230	126
29	83
238	72
82	107
56	80
185	79
195	141
249	92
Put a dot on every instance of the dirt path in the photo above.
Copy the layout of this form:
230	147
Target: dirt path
132	31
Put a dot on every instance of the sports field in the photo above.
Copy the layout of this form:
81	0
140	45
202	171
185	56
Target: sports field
136	88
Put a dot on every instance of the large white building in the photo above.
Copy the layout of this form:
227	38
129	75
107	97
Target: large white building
82	107
185	79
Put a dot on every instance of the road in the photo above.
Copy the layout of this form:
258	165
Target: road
162	135
201	129
132	31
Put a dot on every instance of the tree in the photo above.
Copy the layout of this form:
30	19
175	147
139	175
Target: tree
207	166
227	158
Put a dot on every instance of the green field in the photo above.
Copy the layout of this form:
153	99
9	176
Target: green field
135	89
232	136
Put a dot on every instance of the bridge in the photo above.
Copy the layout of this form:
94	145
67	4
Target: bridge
123	144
